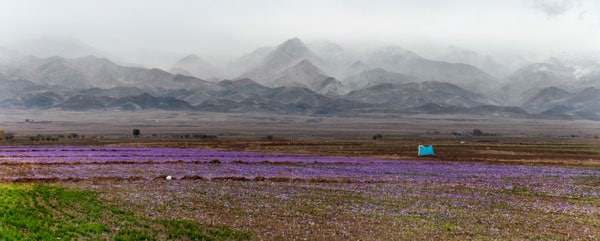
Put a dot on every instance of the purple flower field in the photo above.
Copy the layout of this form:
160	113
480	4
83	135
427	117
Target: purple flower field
86	155
279	196
65	162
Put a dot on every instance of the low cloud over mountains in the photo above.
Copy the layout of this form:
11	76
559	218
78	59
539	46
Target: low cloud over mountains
320	78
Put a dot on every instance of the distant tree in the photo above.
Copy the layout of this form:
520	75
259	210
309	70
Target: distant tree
269	137
457	133
9	136
136	132
377	136
206	136
478	132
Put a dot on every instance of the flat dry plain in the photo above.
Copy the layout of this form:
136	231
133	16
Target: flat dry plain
306	177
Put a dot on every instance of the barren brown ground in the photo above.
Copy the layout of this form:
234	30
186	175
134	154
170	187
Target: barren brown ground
515	140
403	210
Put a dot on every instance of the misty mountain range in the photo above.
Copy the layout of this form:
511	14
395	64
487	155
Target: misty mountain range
319	78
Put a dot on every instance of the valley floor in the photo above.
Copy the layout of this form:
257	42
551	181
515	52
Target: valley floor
297	177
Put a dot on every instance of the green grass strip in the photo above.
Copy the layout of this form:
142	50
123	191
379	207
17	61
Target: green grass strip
47	212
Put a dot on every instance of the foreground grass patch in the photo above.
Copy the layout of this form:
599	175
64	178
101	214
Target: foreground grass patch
46	212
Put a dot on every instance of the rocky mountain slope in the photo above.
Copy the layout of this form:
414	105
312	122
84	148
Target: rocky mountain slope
417	94
193	65
321	78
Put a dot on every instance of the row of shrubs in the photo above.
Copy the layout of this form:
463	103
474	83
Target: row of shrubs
9	136
58	137
185	136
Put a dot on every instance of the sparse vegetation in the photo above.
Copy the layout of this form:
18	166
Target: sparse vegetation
478	132
203	136
44	212
458	133
136	132
197	136
275	200
48	138
9	136
161	194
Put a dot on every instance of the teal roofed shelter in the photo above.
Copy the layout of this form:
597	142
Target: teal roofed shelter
426	150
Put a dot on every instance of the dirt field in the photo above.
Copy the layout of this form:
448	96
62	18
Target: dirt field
297	177
505	140
117	125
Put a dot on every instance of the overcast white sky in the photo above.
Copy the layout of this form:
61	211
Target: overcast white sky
235	26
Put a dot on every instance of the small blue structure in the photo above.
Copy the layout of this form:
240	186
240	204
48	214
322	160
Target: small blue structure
426	150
